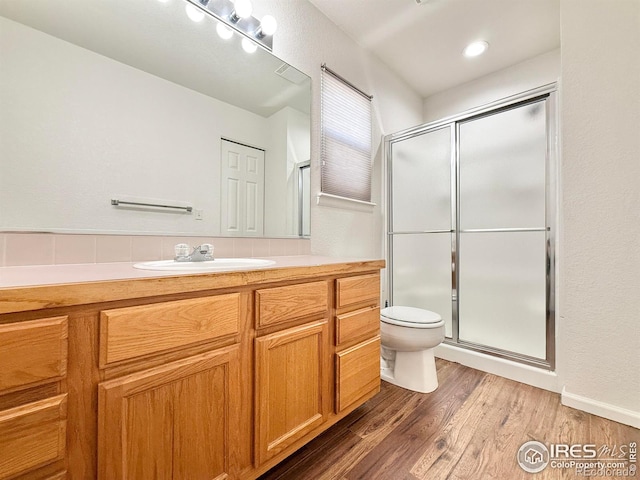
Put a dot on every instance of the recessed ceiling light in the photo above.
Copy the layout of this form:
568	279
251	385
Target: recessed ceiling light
476	48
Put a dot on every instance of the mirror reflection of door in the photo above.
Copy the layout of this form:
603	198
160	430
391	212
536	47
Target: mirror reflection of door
242	190
304	198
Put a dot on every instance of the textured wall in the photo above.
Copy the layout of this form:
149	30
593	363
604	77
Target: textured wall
599	325
532	73
306	39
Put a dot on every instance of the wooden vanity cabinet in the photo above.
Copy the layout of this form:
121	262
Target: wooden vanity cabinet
33	365
219	377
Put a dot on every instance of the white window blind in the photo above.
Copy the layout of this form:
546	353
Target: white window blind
345	120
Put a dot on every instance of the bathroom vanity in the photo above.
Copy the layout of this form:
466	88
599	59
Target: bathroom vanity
114	373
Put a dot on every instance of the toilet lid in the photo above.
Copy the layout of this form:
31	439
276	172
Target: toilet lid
400	315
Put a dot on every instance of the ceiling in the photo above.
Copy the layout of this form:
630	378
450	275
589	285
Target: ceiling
423	43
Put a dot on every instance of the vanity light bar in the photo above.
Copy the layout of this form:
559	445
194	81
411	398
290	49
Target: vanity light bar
224	11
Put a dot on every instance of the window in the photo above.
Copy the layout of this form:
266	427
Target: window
345	139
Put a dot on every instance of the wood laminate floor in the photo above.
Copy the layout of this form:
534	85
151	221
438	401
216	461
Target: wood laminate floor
470	428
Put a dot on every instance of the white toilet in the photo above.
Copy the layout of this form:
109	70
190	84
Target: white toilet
408	336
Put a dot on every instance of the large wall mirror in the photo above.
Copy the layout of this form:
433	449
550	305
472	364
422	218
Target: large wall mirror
126	100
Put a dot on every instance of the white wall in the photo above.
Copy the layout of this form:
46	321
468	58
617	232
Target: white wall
106	128
275	168
532	73
289	146
306	39
599	324
298	151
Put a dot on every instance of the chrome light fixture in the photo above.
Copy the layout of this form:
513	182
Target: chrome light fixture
236	15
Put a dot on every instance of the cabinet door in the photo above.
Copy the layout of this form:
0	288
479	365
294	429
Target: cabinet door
291	386
357	373
176	421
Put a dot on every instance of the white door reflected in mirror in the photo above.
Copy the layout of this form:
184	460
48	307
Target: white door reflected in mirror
242	190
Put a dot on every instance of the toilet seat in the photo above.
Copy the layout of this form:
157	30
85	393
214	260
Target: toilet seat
411	317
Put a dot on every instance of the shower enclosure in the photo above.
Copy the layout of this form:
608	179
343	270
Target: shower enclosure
471	217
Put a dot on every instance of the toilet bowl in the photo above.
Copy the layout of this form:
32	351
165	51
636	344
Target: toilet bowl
408	336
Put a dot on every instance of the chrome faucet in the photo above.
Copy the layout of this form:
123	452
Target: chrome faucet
201	253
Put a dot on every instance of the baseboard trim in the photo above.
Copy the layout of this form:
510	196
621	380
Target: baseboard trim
519	372
601	409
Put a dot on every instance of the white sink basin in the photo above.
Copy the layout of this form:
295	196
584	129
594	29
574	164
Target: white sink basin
218	264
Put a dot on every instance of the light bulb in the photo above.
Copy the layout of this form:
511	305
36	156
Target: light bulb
268	25
248	46
224	32
243	8
476	48
194	13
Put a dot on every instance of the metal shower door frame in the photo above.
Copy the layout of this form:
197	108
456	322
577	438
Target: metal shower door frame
548	94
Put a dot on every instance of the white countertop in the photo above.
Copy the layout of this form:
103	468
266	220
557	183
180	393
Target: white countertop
38	275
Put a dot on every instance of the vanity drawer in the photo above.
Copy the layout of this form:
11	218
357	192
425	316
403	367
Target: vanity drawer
32	435
360	289
282	304
32	352
131	332
357	373
358	324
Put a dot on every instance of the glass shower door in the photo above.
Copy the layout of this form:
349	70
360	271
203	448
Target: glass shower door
421	233
502	236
